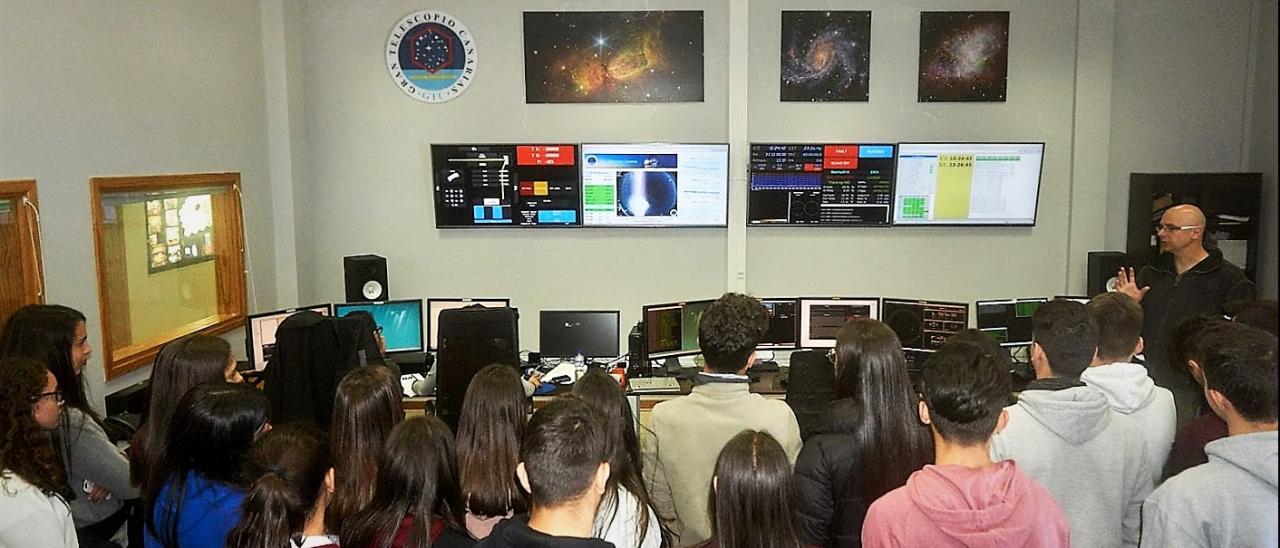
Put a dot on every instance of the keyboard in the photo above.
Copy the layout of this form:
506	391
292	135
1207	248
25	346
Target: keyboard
654	385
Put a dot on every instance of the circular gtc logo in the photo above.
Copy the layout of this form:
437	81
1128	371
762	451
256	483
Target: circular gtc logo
431	56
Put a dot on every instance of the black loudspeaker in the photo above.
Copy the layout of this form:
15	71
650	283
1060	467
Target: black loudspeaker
1102	269
366	278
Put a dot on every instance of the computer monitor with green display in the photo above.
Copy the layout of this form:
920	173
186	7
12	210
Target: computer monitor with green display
672	329
1008	321
967	184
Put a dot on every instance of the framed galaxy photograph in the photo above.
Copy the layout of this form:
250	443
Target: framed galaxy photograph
613	56
826	55
964	56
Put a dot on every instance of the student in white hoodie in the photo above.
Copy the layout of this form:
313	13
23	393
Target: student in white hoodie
1117	320
1231	500
1064	434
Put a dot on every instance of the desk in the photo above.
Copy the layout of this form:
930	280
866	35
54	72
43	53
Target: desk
770	384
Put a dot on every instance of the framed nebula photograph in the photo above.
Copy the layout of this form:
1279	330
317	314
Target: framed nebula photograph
613	56
826	55
964	56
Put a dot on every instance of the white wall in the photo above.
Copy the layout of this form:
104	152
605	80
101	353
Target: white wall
1262	144
368	162
128	88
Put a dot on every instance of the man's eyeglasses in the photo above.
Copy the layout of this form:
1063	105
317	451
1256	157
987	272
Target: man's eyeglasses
831	356
56	394
1174	228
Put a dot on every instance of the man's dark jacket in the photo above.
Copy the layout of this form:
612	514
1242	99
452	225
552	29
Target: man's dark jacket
1202	290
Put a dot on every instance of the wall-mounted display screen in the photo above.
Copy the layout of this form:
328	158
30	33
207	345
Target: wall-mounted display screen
967	183
820	184
179	231
489	185
655	185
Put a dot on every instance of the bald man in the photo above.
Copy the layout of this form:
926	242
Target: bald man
1185	280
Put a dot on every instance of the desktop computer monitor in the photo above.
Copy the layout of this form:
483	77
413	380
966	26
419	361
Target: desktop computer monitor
435	306
260	332
672	329
924	325
784	324
821	319
567	333
400	320
1077	298
1008	321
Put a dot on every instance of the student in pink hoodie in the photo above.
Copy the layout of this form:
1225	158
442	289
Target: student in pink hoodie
965	499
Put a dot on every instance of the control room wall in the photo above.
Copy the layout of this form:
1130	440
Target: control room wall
367	155
958	264
130	88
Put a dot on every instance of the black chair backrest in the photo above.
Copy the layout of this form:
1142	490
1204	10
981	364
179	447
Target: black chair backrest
470	339
810	387
311	355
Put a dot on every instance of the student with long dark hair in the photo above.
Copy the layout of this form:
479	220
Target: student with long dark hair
290	478
625	517
416	501
97	473
32	513
367	406
489	433
868	442
752	495
193	494
180	365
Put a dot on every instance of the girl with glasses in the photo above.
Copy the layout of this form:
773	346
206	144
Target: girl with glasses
32	510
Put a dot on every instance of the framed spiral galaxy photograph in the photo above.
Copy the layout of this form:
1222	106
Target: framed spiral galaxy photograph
964	56
826	55
613	56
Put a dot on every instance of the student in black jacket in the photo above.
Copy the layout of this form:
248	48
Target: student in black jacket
868	443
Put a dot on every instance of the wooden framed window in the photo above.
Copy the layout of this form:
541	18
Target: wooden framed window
21	274
170	260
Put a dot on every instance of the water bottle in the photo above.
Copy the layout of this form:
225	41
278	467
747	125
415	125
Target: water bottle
579	367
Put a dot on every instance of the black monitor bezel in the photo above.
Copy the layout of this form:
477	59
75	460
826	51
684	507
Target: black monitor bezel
728	185
893	194
430	321
421	322
1015	300
1039	184
644	317
617	322
500	226
886	300
795	335
248	326
801	335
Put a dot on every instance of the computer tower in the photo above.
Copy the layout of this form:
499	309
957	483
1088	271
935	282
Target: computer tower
470	339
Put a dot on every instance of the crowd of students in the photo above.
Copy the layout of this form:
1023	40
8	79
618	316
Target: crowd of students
1080	457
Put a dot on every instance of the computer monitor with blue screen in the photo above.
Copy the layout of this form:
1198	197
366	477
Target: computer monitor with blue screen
822	318
567	333
672	329
439	304
655	185
401	321
967	183
260	332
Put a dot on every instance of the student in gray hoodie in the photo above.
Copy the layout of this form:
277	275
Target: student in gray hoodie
1064	434
1231	500
1117	320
